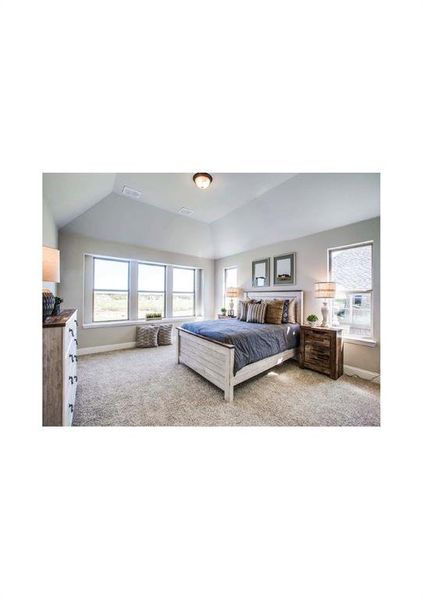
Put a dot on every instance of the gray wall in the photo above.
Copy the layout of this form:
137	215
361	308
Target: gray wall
311	267
72	249
50	237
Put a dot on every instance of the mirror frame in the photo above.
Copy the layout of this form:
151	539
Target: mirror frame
266	262
291	280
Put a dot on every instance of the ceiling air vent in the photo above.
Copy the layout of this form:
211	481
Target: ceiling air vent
131	193
185	211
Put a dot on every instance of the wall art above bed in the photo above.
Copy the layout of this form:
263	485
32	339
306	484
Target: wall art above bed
284	269
261	273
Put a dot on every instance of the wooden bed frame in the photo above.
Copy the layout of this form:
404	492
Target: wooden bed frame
215	360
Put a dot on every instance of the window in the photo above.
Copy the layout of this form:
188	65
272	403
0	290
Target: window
151	289
230	280
183	295
118	289
110	290
352	269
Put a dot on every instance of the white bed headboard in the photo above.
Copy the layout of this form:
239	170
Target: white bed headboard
279	295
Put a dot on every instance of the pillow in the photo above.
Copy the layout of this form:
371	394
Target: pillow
274	310
243	306
165	334
291	311
256	312
147	336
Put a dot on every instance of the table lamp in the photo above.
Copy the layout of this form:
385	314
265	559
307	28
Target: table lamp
232	292
51	273
327	290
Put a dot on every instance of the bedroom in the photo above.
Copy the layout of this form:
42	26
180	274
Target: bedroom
175	294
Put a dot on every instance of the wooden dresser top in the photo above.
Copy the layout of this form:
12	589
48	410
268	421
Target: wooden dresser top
59	320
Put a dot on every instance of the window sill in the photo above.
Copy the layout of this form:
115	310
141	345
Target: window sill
139	322
360	341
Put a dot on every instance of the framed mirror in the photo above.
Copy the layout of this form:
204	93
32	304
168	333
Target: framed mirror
261	273
284	269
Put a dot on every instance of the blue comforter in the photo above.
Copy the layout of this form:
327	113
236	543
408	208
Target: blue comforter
252	341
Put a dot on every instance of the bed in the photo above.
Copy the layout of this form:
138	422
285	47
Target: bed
227	352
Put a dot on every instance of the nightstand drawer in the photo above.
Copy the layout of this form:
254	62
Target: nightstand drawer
316	354
317	338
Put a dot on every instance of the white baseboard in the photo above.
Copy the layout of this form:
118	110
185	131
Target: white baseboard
355	371
108	348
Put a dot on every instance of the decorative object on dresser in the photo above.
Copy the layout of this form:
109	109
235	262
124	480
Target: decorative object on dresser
261	273
312	320
322	350
284	269
327	290
223	311
60	342
57	302
232	292
51	273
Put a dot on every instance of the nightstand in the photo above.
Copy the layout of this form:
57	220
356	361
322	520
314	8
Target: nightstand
220	316
322	350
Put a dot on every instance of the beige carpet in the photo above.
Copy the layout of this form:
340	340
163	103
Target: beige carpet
148	387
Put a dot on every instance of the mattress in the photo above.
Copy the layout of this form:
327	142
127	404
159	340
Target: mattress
252	341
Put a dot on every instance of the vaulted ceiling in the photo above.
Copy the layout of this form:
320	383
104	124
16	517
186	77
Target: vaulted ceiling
240	211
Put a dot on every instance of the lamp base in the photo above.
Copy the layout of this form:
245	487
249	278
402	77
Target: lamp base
48	303
325	315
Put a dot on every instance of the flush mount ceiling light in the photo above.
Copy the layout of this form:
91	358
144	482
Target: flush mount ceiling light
202	180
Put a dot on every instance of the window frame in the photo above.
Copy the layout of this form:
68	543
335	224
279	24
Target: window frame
165	303
225	269
127	291
132	292
193	293
369	291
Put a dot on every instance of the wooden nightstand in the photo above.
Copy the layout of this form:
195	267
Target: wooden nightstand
220	316
322	349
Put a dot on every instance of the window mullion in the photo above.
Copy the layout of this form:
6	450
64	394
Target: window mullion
168	291
133	290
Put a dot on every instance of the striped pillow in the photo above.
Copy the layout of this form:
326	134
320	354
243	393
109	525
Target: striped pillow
165	334
256	312
147	336
243	307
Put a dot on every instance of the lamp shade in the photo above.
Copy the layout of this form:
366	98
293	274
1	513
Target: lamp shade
232	292
325	289
51	264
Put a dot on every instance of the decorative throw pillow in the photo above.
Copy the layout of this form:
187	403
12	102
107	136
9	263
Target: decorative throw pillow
256	312
274	311
147	336
243	307
285	311
291	311
165	334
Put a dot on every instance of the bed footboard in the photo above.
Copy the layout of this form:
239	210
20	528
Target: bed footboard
213	360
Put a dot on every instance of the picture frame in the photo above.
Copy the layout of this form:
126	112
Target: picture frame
260	273
284	269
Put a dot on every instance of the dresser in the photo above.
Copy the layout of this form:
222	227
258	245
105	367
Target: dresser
60	379
322	350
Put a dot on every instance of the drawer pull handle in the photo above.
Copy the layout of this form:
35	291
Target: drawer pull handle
76	378
71	407
71	379
71	331
71	356
76	358
76	341
76	322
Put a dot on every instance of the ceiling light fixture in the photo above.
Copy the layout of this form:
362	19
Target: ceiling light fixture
202	180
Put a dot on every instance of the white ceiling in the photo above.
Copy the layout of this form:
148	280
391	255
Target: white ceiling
172	191
239	212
